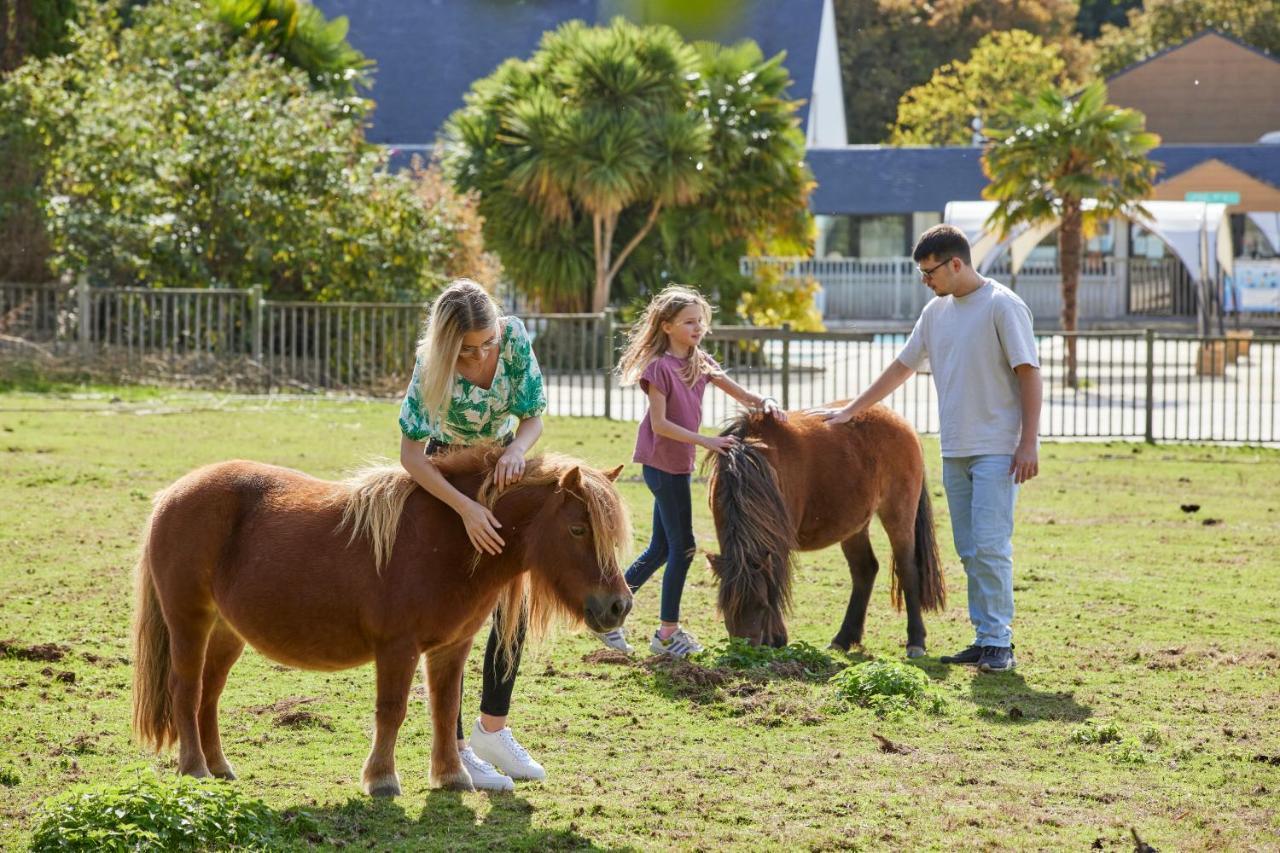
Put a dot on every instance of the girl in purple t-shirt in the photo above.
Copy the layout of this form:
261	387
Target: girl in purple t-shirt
663	355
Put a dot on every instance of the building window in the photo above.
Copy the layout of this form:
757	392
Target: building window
883	236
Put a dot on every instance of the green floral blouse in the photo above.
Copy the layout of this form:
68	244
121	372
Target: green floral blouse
483	414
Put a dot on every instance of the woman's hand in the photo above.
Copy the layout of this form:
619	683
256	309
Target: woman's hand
771	408
510	467
482	526
720	444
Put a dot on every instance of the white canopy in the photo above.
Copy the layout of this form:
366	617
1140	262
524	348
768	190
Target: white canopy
1269	225
1195	231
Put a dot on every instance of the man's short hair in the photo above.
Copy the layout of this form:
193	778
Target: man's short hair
943	242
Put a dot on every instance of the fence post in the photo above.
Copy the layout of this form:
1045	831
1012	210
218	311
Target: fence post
786	365
83	304
255	297
607	317
1151	386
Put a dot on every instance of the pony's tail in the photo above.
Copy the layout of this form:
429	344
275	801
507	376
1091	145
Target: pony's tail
752	524
152	705
933	587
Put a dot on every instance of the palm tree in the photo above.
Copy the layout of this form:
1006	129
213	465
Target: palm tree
1062	152
597	124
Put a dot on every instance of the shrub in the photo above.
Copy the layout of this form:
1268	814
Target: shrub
173	157
184	815
887	687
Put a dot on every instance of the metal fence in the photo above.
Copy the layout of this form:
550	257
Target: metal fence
889	288
1132	385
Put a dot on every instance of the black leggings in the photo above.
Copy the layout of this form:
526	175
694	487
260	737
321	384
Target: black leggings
499	678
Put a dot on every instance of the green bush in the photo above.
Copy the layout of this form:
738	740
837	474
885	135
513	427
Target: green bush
887	687
776	300
149	815
174	157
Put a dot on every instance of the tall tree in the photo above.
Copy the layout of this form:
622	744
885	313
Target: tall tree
299	32
608	135
889	46
1159	24
983	87
1064	152
33	28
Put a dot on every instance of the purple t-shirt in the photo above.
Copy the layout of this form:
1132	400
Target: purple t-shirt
684	408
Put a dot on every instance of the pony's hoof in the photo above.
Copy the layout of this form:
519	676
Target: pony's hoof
837	647
915	651
225	773
460	781
384	786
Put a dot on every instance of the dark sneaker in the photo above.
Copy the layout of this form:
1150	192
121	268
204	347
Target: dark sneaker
969	656
996	659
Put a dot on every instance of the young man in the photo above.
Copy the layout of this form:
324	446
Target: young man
977	336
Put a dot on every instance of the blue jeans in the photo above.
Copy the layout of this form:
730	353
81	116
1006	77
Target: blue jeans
672	539
981	495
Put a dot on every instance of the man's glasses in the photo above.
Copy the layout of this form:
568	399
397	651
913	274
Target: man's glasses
925	275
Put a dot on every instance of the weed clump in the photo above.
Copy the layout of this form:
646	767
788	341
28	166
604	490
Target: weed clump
888	688
799	660
186	815
1096	733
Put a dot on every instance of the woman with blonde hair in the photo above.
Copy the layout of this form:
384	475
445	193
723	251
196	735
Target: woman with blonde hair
476	379
664	357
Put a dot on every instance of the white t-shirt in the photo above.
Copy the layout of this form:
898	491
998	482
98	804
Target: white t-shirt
973	343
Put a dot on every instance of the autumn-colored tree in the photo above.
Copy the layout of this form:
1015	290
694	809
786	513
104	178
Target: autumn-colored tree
1159	24
889	46
984	86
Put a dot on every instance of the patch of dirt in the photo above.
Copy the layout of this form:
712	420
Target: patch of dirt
47	652
284	706
688	680
66	676
887	745
612	656
302	720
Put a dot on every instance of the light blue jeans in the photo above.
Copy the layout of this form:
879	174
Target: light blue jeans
981	495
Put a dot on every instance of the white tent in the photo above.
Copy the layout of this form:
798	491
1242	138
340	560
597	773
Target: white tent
1269	224
1197	232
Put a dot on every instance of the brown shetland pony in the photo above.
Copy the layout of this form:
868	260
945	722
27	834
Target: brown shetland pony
804	485
327	576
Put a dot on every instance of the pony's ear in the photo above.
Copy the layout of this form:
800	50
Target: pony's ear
571	481
612	476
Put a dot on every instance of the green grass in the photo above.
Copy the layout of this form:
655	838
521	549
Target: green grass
1147	693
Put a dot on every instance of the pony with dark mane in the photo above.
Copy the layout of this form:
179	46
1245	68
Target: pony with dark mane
803	485
331	575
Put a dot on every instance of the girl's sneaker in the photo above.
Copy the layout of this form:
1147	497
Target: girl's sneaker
678	645
616	640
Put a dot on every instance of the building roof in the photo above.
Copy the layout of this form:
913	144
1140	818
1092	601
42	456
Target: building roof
870	179
428	52
1202	34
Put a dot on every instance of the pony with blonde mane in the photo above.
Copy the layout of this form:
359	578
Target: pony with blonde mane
331	575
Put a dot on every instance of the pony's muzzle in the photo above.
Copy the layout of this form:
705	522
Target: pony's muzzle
607	610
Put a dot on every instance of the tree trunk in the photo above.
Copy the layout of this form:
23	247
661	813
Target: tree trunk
1070	245
607	267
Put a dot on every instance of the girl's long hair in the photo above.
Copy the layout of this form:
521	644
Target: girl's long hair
647	341
463	307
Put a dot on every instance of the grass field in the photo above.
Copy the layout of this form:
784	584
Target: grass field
1151	629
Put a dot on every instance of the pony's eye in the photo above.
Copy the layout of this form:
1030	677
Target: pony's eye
578	529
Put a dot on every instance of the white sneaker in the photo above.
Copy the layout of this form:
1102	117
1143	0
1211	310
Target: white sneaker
506	753
616	640
483	774
678	645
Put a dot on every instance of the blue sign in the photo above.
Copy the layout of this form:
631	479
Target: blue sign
1214	197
